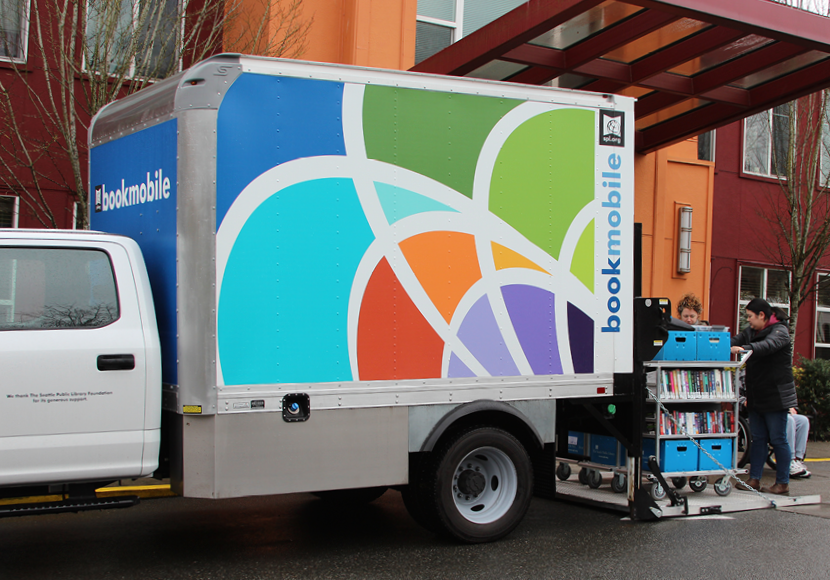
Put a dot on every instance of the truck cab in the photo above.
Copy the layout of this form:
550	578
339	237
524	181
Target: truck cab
80	393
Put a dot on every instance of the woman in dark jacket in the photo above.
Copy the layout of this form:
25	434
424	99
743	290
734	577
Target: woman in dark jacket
770	391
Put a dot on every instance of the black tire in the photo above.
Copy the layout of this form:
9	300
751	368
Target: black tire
416	493
678	482
698	484
744	441
619	483
656	491
723	487
563	471
482	484
594	479
583	476
357	496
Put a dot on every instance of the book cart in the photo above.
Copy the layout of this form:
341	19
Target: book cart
691	423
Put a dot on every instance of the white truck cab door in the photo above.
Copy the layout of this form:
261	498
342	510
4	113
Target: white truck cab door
72	363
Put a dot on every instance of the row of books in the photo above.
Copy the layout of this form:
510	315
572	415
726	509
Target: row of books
696	384
697	423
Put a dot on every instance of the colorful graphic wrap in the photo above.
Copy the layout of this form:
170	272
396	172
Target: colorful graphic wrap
407	234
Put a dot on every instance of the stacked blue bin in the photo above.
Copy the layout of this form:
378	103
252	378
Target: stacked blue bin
676	455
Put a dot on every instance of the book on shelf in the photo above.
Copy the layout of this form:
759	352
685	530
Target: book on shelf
697	422
681	384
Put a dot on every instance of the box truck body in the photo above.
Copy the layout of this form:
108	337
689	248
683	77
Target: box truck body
350	264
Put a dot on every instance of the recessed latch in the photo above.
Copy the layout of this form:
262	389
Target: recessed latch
296	407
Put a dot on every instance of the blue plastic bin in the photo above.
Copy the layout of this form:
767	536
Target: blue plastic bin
604	450
576	443
681	345
721	449
713	346
675	455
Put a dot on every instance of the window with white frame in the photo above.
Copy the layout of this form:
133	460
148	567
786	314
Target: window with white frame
823	317
706	146
443	22
8	211
132	37
14	29
766	283
766	142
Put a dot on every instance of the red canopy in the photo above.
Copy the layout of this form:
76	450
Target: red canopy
693	64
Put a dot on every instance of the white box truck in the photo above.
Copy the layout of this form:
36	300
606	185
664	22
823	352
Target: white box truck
361	279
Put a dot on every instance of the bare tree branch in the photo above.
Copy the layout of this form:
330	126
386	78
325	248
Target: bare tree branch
84	54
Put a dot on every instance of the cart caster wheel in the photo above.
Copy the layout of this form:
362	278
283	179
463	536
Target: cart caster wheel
656	491
619	483
698	484
563	471
723	486
594	479
583	476
678	482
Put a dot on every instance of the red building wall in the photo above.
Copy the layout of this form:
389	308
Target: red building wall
52	166
53	205
742	236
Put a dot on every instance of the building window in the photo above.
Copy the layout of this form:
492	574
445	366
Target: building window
823	317
132	38
706	146
771	285
443	22
8	211
14	29
766	142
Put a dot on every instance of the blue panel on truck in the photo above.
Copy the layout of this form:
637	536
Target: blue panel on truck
134	194
302	295
265	121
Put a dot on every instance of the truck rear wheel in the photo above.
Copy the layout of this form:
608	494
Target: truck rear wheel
482	484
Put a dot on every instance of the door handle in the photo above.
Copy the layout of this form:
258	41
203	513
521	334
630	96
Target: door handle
116	362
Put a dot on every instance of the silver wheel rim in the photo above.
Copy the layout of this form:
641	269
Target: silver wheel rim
484	485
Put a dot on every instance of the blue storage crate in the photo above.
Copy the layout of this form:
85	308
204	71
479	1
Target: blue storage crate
576	443
676	455
681	345
604	450
721	449
713	346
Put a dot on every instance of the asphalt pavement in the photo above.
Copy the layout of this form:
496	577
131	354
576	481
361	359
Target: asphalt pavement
818	463
300	536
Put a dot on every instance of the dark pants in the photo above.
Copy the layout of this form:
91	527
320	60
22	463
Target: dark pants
769	429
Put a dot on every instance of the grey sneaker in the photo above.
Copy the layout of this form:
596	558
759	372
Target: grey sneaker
798	470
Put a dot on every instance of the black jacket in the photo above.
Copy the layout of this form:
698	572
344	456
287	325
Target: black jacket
769	372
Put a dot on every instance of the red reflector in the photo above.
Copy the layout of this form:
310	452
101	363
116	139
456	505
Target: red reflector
600	390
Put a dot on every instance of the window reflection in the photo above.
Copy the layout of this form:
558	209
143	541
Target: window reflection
56	288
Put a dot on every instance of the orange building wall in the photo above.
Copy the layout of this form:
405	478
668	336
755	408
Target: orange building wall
375	33
665	181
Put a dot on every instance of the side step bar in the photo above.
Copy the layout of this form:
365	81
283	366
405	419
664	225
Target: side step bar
68	505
